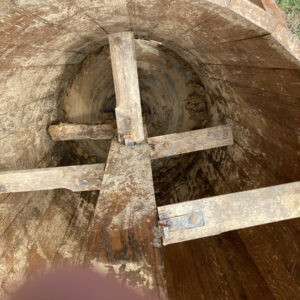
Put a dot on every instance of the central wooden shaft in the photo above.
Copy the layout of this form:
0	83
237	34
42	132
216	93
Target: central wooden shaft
128	102
125	239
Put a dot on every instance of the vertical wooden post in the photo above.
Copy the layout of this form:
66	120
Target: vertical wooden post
124	238
128	102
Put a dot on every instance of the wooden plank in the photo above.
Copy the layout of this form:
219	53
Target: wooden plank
124	237
128	102
185	142
235	211
160	146
74	178
271	7
65	132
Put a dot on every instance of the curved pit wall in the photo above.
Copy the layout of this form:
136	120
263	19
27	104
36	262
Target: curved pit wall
201	63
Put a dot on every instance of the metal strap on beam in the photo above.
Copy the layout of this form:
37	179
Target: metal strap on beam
211	216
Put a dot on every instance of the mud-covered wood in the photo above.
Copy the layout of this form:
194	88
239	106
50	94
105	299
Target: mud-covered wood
124	237
185	142
65	132
235	211
128	102
74	178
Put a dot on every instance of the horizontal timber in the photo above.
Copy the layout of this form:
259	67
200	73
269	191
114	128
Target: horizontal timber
74	178
190	141
232	211
65	132
159	146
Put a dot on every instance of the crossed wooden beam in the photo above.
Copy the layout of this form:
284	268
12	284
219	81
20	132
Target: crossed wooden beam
124	237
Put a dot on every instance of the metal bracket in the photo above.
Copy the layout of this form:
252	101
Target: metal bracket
191	220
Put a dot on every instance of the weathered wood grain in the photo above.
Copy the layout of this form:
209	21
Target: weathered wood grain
235	211
274	249
50	232
66	132
128	102
271	7
185	142
193	266
74	178
19	236
234	257
263	127
11	207
124	237
36	242
73	245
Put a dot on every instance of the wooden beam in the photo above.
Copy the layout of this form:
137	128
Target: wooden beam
159	146
230	212
128	102
185	142
74	178
65	132
124	237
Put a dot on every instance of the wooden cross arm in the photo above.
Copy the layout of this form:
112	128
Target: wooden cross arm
214	215
190	141
159	146
74	178
65	132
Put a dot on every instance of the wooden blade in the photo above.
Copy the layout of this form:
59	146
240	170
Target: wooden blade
74	178
185	142
229	212
124	238
65	132
128	102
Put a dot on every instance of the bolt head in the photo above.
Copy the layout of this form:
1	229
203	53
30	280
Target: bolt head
194	219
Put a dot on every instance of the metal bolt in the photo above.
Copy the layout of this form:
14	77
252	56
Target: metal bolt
165	223
118	41
169	223
83	181
194	219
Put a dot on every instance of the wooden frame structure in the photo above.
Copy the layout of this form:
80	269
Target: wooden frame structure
124	236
